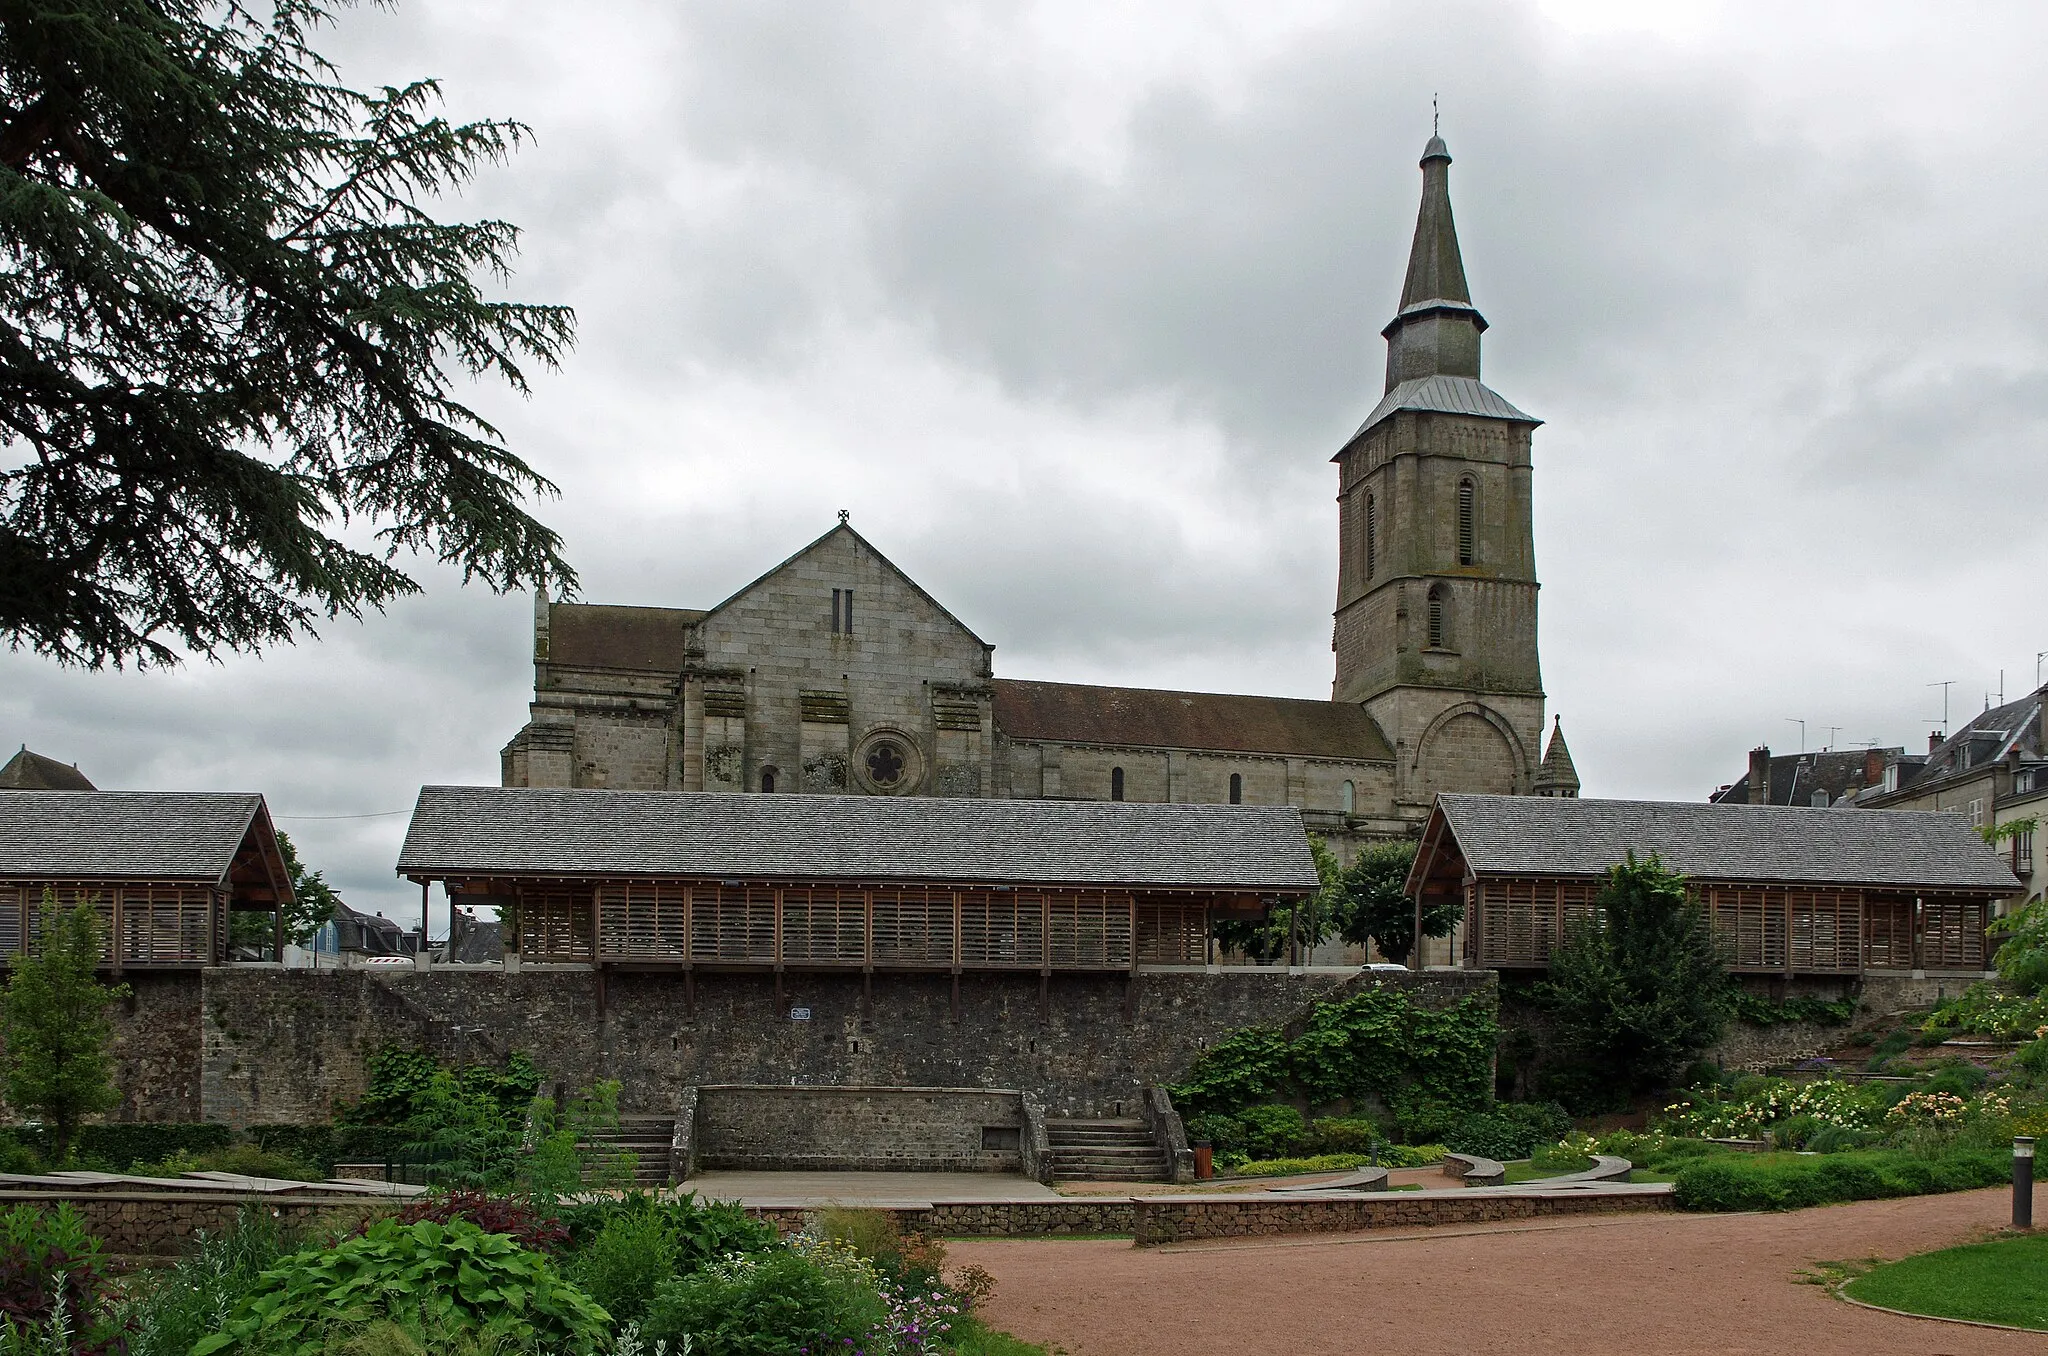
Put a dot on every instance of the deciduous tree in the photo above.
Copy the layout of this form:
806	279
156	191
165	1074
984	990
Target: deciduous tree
54	1018
229	328
1379	908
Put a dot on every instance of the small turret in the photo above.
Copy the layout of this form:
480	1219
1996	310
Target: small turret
1557	777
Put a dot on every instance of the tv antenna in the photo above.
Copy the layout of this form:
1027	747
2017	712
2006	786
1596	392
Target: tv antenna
1802	731
1945	685
1833	730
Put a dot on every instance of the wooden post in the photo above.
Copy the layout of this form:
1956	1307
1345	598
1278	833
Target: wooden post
1415	955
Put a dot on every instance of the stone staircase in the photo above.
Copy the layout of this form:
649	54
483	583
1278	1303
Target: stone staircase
1105	1151
646	1138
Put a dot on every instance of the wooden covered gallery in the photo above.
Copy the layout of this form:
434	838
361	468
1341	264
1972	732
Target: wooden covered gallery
163	868
1794	890
700	880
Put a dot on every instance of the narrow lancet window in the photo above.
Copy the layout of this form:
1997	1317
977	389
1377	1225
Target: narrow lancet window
1236	788
1468	494
1372	537
1437	627
835	611
1348	797
1116	783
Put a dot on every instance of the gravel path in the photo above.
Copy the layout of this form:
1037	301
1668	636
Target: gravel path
1634	1284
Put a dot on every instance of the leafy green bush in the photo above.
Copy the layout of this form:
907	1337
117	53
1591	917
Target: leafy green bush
1756	1010
1737	1181
1345	1135
54	1289
1510	1129
247	1159
770	1304
172	1309
1389	1156
1428	1066
442	1279
621	1266
704	1231
1983	1010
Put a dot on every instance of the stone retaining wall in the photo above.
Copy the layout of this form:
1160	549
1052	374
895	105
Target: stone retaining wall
1180	1219
282	1046
811	1129
161	1224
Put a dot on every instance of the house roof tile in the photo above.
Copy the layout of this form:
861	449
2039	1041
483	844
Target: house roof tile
122	835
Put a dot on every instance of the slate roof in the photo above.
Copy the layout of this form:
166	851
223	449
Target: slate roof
463	830
1080	713
1987	738
1794	777
1444	395
123	835
31	771
600	636
1538	836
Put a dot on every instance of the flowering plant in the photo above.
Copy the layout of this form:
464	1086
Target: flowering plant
1829	1101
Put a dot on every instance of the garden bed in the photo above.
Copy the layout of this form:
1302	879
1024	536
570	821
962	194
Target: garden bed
2004	1281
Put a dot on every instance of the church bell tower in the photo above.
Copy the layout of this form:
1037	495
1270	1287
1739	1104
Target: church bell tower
1436	584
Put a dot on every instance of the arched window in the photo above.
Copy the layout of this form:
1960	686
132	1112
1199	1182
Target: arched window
1372	537
1348	797
1116	783
767	780
1236	788
1468	493
1439	628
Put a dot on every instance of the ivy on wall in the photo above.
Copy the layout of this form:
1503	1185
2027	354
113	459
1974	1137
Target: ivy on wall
1429	1066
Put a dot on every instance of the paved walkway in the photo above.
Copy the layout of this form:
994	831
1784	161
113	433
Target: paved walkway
865	1188
1688	1285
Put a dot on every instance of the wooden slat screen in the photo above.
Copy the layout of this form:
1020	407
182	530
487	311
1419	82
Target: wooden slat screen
166	925
1172	934
1888	934
1826	930
824	925
733	923
913	926
555	924
1088	928
1952	935
1753	922
1001	927
10	919
1521	921
642	920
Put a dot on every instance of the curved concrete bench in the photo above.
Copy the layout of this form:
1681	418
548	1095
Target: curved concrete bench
1473	1171
1359	1179
1606	1168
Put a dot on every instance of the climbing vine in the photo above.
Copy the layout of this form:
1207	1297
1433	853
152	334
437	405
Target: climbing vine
1429	1066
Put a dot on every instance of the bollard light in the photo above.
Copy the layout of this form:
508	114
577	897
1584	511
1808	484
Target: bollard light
2023	1182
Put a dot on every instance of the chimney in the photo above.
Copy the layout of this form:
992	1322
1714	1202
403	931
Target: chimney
1873	766
1760	775
1933	740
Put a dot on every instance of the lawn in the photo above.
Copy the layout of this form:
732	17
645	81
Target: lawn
2005	1281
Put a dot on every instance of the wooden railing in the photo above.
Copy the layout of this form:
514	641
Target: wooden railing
896	927
1518	922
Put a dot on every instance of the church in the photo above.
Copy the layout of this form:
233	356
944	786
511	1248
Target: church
836	673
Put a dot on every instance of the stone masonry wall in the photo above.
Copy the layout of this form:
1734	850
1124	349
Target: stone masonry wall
283	1046
858	1129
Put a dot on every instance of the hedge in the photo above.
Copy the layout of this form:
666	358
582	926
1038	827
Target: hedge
122	1144
1790	1182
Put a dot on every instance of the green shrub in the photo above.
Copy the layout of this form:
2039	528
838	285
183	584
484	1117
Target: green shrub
621	1266
173	1308
770	1304
1833	1139
704	1231
1737	1181
1510	1130
447	1280
2033	1057
1346	1135
1897	1043
1960	1077
1270	1131
54	1289
247	1159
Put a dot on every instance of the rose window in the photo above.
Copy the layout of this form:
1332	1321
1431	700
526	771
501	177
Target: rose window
885	764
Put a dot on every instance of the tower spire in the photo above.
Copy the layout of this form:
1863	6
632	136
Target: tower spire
1436	332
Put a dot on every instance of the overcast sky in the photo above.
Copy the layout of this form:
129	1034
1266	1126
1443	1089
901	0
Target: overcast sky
1071	304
